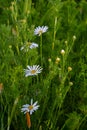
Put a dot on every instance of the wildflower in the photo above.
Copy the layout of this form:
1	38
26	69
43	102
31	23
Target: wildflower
29	45
32	70
62	52
30	108
33	45
39	30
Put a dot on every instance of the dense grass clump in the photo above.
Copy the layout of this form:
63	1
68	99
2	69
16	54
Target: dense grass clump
43	65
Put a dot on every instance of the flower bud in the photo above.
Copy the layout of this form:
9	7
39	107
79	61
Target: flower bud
10	46
74	37
66	42
57	60
62	52
49	59
69	69
70	83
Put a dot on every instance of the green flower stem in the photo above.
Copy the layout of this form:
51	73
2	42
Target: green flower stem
27	59
41	50
37	79
69	49
63	62
54	35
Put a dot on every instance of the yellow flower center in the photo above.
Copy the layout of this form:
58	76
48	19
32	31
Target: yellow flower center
30	107
33	71
40	32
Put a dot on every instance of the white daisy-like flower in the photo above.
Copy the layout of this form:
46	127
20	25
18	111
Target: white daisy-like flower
33	45
32	70
39	30
30	108
29	45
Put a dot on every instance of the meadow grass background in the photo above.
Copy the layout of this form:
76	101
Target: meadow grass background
61	88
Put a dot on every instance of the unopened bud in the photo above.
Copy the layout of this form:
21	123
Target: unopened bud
66	42
69	69
23	20
49	59
16	101
10	46
12	3
57	60
74	37
70	83
62	52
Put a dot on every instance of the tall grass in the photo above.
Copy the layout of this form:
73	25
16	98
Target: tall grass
61	87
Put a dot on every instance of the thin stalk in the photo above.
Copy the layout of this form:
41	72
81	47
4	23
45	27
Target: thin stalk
1	121
27	8
12	112
41	57
37	79
69	49
63	62
54	35
41	50
81	122
17	47
27	59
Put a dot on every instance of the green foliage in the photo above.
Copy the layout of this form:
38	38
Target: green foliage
61	87
72	122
